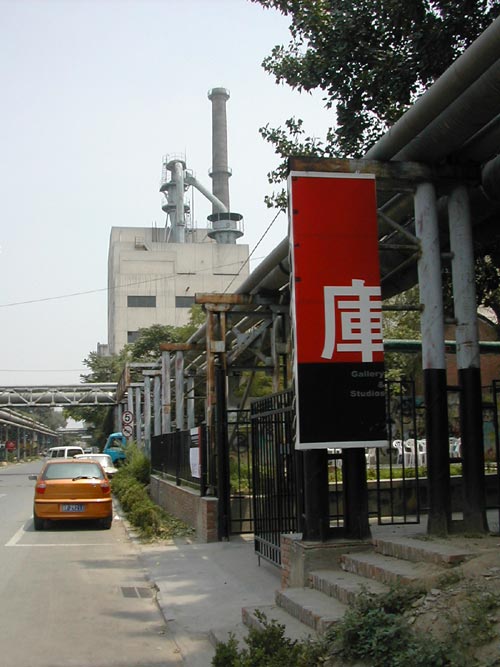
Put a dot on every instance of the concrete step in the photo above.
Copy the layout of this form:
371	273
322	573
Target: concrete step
293	628
222	635
418	550
311	607
393	571
344	586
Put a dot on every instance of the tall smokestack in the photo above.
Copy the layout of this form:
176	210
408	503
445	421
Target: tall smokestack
220	172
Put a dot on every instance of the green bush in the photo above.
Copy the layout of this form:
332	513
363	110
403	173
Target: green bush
267	648
130	486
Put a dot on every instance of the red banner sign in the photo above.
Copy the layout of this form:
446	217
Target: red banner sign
337	310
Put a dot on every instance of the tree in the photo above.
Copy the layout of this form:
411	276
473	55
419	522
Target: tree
51	417
109	369
370	58
400	324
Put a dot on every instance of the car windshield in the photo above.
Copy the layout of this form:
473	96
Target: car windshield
72	470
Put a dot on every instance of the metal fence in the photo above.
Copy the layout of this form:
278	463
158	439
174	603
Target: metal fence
240	471
491	411
180	455
275	465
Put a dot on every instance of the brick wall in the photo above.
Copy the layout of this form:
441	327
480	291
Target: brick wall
186	504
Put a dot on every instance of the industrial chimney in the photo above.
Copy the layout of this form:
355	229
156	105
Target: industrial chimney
226	226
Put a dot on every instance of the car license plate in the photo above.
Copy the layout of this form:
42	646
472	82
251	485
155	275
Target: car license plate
72	507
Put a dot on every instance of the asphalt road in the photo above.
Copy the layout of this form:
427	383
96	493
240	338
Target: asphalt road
73	595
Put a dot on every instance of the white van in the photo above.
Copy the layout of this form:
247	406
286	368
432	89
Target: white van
64	452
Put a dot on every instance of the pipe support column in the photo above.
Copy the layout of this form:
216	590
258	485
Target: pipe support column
166	393
147	414
433	360
179	390
468	361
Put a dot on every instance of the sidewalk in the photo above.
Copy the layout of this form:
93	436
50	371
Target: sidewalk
203	587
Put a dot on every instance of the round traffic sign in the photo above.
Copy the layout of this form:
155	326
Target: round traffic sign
127	417
127	430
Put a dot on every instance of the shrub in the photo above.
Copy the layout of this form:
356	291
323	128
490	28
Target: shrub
130	486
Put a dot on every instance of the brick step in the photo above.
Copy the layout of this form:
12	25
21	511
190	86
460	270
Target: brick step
222	635
311	607
416	550
344	586
393	571
294	629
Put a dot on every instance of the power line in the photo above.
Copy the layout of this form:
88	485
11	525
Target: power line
108	289
255	248
142	282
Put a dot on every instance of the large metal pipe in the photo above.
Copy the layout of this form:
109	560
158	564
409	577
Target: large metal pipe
217	205
477	60
473	62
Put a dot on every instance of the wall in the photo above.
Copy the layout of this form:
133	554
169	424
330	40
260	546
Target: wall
141	266
186	504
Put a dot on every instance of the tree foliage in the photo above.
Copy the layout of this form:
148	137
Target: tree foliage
109	369
370	59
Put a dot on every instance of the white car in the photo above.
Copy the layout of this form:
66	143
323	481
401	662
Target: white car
104	459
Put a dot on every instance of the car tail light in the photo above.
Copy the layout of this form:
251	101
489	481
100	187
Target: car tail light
40	487
105	487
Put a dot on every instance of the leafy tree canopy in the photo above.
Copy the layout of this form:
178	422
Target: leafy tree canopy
109	369
370	59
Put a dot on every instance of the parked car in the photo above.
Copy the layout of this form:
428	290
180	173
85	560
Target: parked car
72	489
104	459
64	452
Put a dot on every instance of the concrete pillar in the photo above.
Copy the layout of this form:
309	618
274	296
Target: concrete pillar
166	393
138	430
179	390
191	419
468	361
433	360
157	404
147	414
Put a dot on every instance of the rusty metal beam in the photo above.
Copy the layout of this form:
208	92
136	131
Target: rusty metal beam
392	176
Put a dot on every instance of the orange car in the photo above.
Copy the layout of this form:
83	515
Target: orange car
68	489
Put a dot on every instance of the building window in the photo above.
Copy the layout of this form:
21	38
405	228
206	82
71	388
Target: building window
132	336
141	301
184	301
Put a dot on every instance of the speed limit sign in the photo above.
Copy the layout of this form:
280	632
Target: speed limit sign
127	417
127	430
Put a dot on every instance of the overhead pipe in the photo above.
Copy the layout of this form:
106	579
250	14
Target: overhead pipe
468	67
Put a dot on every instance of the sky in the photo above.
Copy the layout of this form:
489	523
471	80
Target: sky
95	93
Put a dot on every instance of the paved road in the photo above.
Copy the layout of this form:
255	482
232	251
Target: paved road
73	595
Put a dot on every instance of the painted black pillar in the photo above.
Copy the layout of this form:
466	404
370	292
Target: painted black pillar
316	495
355	494
468	362
433	360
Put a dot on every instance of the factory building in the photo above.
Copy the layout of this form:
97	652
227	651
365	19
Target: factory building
155	272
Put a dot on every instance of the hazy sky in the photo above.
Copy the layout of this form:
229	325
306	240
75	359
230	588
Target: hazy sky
94	94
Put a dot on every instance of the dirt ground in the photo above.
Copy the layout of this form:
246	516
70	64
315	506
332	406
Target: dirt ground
453	608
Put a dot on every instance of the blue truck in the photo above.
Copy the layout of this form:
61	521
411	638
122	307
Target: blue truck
115	446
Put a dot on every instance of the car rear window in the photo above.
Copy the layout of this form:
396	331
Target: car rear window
72	470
